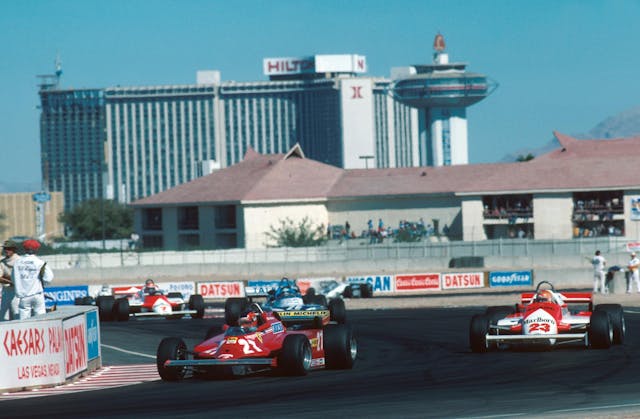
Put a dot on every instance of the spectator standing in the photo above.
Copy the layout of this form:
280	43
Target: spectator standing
347	228
9	303
634	274
599	262
29	275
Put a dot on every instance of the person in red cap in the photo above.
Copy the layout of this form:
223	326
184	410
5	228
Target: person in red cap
9	302
30	273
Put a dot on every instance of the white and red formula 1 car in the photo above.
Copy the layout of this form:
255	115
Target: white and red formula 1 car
543	318
138	301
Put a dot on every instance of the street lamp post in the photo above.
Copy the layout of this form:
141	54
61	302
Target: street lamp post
366	160
100	165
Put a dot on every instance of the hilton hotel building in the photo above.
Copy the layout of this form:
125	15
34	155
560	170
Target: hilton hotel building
126	143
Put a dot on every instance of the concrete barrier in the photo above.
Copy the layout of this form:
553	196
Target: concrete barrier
50	349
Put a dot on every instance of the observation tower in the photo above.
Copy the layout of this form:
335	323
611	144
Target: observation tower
441	91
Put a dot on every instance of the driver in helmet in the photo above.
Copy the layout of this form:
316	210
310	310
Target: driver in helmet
150	287
284	292
248	323
544	296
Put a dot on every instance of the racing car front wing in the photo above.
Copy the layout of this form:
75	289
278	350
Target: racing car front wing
529	338
210	362
172	313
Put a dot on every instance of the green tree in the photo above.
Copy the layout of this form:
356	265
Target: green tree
290	234
522	158
85	220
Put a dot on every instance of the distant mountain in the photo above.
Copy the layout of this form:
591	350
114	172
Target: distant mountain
625	124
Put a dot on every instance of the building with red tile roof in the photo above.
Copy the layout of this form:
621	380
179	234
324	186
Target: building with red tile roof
584	188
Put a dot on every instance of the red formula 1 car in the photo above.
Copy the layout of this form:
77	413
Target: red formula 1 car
543	318
290	347
136	301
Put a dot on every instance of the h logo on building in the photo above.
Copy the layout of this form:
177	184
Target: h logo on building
356	92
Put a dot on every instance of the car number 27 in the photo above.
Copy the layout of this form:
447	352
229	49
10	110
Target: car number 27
249	346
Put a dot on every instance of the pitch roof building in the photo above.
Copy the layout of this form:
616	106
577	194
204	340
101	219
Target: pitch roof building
574	191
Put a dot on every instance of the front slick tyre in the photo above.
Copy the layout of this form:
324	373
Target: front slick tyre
338	311
295	356
616	314
478	330
340	346
171	349
600	330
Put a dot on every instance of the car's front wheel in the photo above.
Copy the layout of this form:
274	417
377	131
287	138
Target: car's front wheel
338	311
600	330
196	302
295	356
105	307
616	314
171	349
340	346
121	310
478	330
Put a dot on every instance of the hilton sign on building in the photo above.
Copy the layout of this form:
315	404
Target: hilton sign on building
146	139
317	64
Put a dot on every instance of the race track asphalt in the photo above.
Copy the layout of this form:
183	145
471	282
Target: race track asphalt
412	363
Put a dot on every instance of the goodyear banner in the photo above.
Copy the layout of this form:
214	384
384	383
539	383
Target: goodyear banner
510	278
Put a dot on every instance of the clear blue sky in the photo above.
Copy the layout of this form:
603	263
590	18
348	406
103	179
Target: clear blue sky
561	65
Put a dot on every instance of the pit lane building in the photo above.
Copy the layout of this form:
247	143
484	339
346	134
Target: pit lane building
584	188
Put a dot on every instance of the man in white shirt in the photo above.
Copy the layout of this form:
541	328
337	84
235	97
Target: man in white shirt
599	263
634	274
9	303
30	273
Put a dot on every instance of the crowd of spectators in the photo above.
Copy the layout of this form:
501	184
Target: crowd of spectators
377	232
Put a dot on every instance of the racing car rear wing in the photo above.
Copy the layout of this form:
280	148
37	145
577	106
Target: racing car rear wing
567	297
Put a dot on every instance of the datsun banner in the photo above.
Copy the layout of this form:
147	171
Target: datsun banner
32	353
75	345
221	289
418	282
462	280
380	283
510	278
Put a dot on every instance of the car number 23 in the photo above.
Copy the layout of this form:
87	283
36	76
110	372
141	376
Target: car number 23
539	327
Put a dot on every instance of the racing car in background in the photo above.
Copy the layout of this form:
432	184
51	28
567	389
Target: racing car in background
133	301
543	318
334	289
263	342
289	302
